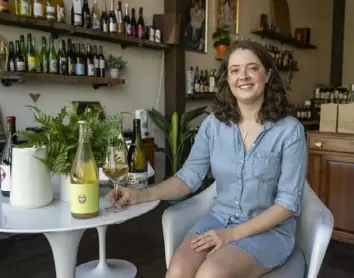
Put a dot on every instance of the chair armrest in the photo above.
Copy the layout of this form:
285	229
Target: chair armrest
314	230
178	219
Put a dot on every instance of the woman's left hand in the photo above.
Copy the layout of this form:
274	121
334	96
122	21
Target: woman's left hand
213	238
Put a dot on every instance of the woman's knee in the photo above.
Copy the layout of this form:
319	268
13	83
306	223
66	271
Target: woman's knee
177	268
210	269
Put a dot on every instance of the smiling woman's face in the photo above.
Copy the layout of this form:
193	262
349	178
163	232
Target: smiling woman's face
246	76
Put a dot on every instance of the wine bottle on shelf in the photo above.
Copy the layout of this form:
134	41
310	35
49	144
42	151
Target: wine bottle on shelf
60	10
96	61
84	189
141	24
71	58
90	63
38	9
104	17
52	57
11	63
6	157
4	6
126	20
119	15
133	25
138	176
20	60
102	63
96	17
76	13
50	10
79	66
86	15
112	21
63	59
37	54
44	56
31	54
23	47
24	8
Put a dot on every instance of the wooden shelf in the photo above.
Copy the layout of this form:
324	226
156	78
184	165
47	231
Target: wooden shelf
7	78
68	30
200	96
283	39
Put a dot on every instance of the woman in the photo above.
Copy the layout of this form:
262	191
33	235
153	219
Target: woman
257	154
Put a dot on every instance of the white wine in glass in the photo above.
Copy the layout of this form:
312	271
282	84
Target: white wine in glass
115	167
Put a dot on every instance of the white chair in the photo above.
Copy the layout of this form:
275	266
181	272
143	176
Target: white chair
315	226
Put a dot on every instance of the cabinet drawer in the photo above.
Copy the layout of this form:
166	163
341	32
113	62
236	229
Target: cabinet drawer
339	144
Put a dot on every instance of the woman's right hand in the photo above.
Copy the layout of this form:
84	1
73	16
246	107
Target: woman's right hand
124	196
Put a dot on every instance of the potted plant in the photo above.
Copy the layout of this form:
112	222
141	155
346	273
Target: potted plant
222	40
60	135
115	64
178	133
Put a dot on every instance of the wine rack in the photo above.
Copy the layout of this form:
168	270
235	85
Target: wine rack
56	29
8	78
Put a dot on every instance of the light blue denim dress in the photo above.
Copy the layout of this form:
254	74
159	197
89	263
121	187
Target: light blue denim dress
247	183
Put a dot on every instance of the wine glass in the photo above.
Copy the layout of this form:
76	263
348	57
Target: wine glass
115	167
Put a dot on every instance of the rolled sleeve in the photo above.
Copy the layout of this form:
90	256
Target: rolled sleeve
197	165
293	170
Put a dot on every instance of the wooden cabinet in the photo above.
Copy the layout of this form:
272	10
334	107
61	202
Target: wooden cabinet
330	172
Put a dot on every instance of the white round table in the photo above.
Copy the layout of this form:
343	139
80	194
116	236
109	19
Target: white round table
64	234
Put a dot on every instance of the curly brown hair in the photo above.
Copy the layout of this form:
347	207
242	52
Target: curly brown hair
275	105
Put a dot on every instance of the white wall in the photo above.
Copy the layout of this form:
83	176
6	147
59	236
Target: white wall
144	78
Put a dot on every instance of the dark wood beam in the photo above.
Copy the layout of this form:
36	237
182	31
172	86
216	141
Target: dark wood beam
337	41
175	68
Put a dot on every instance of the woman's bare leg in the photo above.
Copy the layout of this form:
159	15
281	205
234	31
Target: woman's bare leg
185	261
230	261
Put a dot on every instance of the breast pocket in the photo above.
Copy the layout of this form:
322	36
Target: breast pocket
266	166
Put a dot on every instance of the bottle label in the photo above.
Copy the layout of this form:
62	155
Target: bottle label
137	180
96	23
20	66
97	63
105	27
12	65
112	27
5	177
91	70
24	8
63	64
37	10
71	68
84	198
141	31
31	63
79	69
45	65
60	14
128	30
50	12
102	64
77	20
53	66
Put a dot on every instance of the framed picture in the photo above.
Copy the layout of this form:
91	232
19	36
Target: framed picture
227	14
196	28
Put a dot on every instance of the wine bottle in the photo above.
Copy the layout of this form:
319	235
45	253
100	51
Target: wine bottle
38	9
96	17
76	13
63	59
60	10
80	65
11	64
6	158
50	10
37	54
96	61
141	24
52	57
112	21
138	176
102	72
84	189
90	63
86	15
20	60
25	8
104	17
44	56
71	58
133	25
127	23
31	55
120	24
4	6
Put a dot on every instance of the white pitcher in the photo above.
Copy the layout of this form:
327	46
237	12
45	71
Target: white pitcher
31	185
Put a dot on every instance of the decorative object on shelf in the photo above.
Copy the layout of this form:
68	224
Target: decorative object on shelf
281	15
303	34
227	14
4	50
196	28
30	180
115	65
60	136
222	40
35	97
169	24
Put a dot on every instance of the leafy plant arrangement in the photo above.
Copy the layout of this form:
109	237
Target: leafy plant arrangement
114	62
221	36
177	131
60	135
